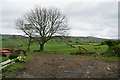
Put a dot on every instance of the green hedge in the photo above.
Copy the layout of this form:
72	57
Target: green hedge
116	50
12	56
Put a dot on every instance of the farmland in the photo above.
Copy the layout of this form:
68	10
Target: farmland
60	47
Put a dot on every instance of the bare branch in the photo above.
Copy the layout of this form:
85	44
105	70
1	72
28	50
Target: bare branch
42	24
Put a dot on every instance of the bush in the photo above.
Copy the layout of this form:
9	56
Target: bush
103	43
110	43
112	51
12	56
116	50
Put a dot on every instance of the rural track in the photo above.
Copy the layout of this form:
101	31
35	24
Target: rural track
54	65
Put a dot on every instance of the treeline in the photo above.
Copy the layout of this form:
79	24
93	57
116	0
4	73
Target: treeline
113	47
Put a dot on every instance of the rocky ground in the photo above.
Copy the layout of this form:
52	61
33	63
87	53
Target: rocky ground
54	65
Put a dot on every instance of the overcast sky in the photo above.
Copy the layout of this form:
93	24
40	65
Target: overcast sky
97	18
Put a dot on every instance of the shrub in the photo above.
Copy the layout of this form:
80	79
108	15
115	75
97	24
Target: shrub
12	56
110	43
102	43
116	50
112	51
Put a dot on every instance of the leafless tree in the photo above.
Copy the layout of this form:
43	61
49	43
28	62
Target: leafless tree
27	29
43	24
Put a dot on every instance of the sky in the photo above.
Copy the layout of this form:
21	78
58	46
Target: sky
97	18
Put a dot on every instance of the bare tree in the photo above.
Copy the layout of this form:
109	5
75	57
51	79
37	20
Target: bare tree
43	24
27	29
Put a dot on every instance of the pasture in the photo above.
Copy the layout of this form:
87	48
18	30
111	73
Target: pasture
60	46
54	46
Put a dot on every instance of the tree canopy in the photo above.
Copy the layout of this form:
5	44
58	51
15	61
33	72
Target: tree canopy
43	24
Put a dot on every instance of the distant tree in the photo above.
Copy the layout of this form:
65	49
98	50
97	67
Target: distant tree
13	37
103	43
116	50
110	43
4	39
77	42
70	41
114	47
43	24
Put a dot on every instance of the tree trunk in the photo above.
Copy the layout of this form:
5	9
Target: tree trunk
29	44
28	47
41	47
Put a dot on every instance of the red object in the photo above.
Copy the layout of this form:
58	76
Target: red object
9	51
5	51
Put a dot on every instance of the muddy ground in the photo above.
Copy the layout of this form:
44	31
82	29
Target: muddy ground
54	65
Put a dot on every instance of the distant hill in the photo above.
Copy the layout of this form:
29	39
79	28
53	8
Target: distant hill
88	37
11	37
5	37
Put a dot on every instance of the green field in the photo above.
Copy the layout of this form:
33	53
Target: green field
59	46
53	46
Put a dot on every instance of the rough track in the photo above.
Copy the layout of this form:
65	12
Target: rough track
54	65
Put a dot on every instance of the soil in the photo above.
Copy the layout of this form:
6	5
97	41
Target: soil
54	65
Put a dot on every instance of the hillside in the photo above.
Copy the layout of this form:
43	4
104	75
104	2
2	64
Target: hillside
6	37
10	37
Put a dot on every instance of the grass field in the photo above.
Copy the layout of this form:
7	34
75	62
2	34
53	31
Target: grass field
59	46
55	46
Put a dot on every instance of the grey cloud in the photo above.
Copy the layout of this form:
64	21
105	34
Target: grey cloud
85	18
89	9
95	12
94	18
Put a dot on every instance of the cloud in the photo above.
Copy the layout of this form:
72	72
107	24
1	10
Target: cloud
94	18
85	18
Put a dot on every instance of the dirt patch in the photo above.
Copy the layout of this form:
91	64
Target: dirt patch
54	65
